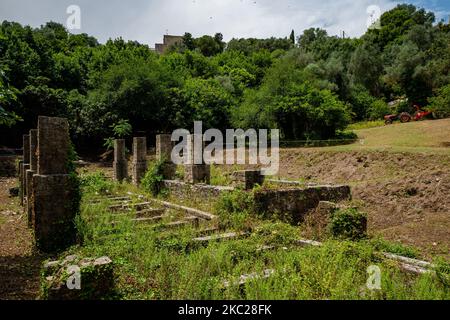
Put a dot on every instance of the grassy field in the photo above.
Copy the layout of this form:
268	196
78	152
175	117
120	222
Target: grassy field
155	263
432	136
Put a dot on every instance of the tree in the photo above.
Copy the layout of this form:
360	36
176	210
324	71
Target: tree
292	37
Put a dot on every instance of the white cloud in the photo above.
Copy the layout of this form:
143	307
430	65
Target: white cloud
148	20
251	18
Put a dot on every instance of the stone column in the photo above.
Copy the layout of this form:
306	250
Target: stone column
120	163
139	165
29	176
53	190
25	166
196	173
163	153
247	179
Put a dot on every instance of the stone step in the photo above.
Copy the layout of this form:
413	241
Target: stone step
128	207
191	211
148	220
243	279
148	213
219	237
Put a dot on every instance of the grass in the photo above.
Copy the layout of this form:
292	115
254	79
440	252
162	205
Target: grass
431	136
154	263
365	125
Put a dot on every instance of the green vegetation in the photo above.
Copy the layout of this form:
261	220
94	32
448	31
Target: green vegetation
153	178
153	263
348	224
311	89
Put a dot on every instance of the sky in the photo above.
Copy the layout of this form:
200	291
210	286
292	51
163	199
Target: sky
147	21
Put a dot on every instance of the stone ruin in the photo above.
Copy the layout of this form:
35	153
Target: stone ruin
74	278
48	191
120	164
139	164
195	173
163	154
291	201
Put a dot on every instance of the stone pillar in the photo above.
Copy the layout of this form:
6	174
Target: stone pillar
120	163
163	153
24	167
139	164
247	179
53	191
29	176
196	173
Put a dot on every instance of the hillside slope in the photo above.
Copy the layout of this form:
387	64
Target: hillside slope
400	176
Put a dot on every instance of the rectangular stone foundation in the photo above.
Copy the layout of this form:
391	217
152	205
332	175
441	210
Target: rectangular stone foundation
291	205
247	179
53	213
197	173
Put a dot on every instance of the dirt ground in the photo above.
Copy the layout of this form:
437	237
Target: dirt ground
406	195
19	263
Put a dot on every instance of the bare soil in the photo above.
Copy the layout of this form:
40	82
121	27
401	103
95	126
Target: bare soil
406	195
19	263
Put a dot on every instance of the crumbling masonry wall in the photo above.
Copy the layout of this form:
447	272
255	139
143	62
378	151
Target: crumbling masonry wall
163	154
292	204
139	165
53	189
120	164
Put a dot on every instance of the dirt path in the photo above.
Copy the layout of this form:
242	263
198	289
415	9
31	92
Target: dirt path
19	264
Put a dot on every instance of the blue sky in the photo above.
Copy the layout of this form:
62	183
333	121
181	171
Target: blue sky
147	20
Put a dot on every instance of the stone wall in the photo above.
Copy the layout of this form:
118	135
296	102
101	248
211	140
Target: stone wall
291	205
189	191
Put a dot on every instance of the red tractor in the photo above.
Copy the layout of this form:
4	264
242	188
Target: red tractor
406	117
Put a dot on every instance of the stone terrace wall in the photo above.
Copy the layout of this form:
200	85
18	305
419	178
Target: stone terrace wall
292	204
188	191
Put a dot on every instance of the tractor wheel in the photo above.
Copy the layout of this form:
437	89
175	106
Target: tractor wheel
388	122
405	117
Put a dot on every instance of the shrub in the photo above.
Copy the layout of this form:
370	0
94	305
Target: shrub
440	104
378	109
96	182
153	178
348	224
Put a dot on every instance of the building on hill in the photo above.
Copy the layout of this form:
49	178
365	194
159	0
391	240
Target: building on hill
168	41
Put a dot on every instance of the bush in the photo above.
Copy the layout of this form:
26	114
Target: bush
96	183
378	109
440	104
348	224
153	178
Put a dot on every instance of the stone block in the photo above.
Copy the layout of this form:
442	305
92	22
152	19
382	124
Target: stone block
54	211
74	278
164	147
139	169
197	173
26	148
29	197
53	146
33	149
139	149
247	179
